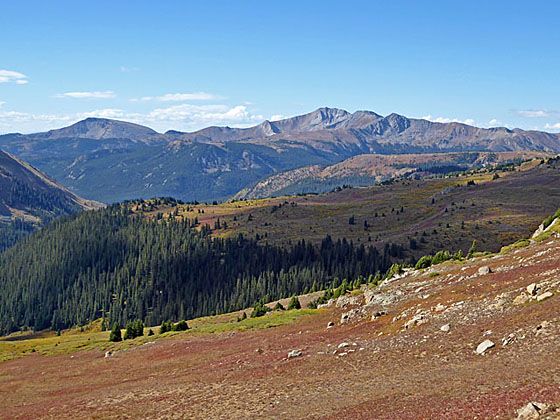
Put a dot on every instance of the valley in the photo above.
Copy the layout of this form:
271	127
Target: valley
29	200
279	210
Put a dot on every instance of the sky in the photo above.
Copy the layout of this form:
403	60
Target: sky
185	65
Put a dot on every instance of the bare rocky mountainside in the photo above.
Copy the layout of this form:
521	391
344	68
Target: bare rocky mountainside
110	161
370	169
29	199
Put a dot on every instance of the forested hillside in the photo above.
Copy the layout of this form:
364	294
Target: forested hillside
114	264
29	199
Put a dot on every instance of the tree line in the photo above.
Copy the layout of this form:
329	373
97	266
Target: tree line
123	267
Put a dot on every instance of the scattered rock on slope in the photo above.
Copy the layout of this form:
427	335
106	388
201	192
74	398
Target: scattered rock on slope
485	345
294	353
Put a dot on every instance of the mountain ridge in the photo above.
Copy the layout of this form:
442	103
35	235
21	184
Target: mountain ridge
324	118
110	160
29	199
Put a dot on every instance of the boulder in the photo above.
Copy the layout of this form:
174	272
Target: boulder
343	345
532	289
544	296
440	308
351	315
532	410
345	300
415	320
485	345
330	324
329	303
509	339
368	295
482	271
108	353
378	314
294	353
445	328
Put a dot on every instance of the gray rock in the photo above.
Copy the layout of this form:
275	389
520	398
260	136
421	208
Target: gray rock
440	308
330	324
544	296
415	320
445	328
345	300
532	289
484	270
532	410
485	345
351	315
108	353
294	353
378	314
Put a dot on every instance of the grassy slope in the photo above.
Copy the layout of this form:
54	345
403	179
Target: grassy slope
495	212
48	343
92	338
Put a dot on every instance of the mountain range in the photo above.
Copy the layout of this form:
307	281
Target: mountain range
108	160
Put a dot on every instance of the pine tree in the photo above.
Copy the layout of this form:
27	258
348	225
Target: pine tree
294	303
115	334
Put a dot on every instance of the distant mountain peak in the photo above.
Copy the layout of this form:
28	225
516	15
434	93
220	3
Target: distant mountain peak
102	128
269	128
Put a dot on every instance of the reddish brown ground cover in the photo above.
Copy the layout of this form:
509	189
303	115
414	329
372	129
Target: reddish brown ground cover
391	372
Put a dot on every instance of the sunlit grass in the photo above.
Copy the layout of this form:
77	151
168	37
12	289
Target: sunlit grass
74	340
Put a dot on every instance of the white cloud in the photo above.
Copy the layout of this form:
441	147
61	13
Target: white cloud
112	113
106	94
10	76
555	126
494	123
184	117
202	115
278	117
535	113
468	121
179	97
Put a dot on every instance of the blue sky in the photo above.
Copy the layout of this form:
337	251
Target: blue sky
186	65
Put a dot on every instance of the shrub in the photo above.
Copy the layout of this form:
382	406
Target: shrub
259	309
424	262
341	290
180	326
473	249
548	221
294	303
441	256
394	270
165	327
134	329
279	307
115	335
